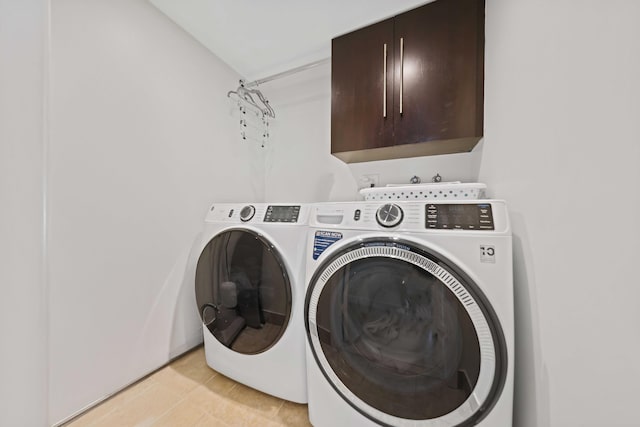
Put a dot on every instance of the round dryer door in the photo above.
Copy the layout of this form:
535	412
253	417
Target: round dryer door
243	291
404	336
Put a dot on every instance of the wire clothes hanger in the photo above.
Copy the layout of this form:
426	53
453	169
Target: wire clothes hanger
247	95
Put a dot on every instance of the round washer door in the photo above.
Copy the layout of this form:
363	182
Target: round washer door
404	336
243	291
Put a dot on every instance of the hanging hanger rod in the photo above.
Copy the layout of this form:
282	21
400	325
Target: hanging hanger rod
246	95
288	72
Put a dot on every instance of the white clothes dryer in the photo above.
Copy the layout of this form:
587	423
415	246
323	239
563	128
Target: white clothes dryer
249	286
409	314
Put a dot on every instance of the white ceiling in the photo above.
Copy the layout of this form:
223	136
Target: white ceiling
261	38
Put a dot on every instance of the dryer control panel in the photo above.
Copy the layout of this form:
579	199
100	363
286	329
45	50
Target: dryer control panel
459	216
282	214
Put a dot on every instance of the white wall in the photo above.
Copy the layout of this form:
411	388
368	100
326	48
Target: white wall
23	348
299	164
562	146
142	141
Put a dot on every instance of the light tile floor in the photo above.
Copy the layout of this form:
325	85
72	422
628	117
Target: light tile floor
187	393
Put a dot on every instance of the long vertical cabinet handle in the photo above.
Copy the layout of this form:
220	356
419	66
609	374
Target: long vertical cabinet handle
401	70
384	82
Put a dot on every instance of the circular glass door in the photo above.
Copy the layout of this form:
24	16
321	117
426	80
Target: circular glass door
403	337
243	291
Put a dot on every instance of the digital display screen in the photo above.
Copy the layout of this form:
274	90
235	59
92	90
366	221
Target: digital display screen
282	214
459	216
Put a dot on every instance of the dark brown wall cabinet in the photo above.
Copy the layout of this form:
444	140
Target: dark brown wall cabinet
411	85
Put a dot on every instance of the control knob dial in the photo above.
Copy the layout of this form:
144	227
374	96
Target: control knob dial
247	213
389	215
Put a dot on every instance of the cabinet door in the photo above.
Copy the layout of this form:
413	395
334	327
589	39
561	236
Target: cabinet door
439	72
360	118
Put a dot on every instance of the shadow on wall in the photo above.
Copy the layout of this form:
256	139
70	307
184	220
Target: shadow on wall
531	387
172	324
186	331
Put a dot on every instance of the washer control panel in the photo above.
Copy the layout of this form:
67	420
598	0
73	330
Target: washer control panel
282	214
468	216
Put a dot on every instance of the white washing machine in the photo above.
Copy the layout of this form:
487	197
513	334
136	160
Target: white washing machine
409	314
249	285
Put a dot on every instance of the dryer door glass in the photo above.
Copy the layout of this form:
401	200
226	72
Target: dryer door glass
402	337
243	291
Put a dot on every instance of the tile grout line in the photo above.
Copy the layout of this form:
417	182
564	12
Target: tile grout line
183	397
142	394
279	409
159	417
